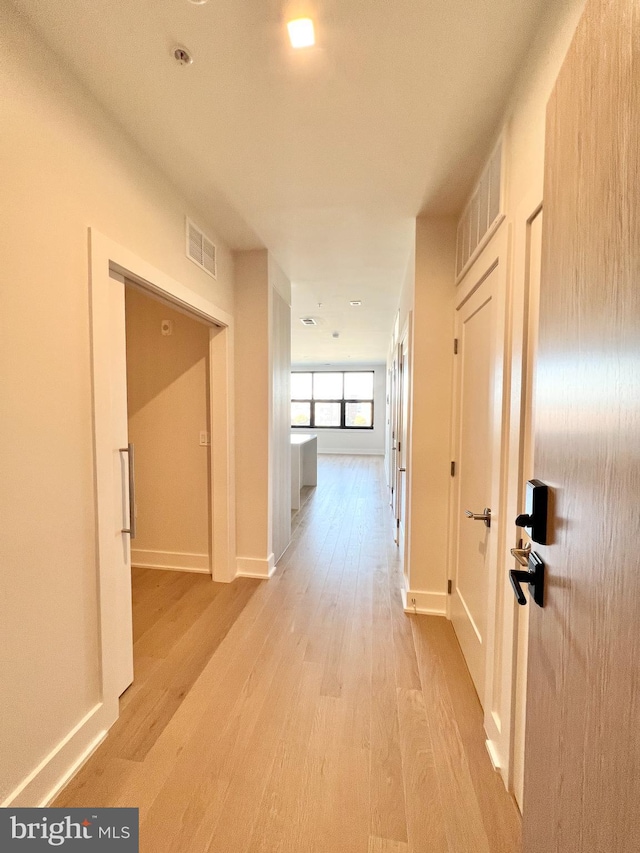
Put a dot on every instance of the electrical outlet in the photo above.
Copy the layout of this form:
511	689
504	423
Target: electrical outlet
205	439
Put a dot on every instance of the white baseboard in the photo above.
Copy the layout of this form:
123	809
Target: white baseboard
426	603
45	782
170	560
255	567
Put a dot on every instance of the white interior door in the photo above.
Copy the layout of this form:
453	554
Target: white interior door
475	433
120	566
401	453
393	432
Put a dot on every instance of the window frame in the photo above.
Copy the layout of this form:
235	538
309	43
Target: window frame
342	402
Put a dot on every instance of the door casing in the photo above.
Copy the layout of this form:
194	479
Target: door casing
500	721
107	257
495	256
403	474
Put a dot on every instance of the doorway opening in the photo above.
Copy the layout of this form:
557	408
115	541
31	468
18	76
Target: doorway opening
169	432
168	418
110	266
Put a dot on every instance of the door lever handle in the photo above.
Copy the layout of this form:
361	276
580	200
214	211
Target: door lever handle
522	555
402	470
485	516
516	577
534	577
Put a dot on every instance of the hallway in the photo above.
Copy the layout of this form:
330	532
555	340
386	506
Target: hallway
307	713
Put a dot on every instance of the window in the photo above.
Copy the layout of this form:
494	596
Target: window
332	399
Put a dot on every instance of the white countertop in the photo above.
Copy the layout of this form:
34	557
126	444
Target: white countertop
302	439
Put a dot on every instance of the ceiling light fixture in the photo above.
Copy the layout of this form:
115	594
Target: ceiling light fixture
301	33
356	303
198	2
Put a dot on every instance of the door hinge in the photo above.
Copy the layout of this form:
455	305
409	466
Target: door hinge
455	346
449	587
399	446
453	469
398	523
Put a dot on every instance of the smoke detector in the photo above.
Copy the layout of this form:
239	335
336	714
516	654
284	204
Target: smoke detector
182	55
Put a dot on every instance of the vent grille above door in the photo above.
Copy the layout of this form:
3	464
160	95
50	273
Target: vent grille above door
200	249
483	213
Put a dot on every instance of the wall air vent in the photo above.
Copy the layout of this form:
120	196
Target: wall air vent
483	214
200	249
308	321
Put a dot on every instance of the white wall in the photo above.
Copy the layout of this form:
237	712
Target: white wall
428	457
262	354
168	408
524	127
370	442
66	166
280	461
252	370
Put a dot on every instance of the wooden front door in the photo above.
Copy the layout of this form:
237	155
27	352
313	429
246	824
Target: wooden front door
582	768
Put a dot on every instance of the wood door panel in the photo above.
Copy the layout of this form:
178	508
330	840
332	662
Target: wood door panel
534	246
582	771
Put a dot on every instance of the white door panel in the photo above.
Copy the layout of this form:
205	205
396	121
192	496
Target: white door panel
121	551
469	604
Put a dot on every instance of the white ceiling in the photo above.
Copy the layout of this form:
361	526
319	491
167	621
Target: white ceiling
325	155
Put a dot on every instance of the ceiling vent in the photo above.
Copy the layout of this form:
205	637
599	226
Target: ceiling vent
308	321
201	250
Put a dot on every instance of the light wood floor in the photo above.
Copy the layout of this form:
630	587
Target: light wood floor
307	713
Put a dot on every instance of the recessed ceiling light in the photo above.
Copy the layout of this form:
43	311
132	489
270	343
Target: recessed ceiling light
356	302
301	32
198	2
308	321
